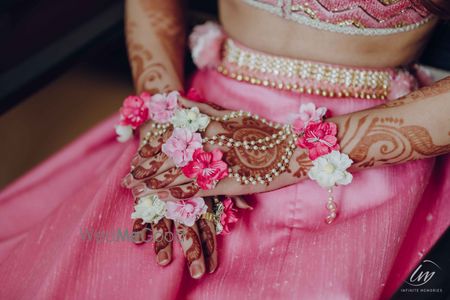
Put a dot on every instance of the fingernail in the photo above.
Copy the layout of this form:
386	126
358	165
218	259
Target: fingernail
197	270
163	258
163	195
139	190
126	181
211	266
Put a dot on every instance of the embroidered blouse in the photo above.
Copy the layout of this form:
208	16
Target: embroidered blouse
358	17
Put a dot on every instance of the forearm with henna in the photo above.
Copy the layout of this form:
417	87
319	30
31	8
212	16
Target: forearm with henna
414	127
155	38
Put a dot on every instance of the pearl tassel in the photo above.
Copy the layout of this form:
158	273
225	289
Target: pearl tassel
331	206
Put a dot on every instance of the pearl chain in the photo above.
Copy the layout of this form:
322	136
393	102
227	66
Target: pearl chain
261	144
331	206
157	130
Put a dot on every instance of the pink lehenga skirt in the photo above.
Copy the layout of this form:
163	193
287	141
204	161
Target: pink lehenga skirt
64	224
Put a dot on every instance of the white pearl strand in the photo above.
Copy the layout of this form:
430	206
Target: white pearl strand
158	129
259	144
331	206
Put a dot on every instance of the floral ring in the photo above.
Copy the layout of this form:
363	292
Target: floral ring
208	216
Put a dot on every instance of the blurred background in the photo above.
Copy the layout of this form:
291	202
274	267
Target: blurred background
63	68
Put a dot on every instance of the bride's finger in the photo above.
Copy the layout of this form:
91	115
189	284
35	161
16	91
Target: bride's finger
163	238
241	203
140	231
147	169
151	145
172	177
192	248
207	231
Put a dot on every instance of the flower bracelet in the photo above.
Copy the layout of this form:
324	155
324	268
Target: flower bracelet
185	148
185	145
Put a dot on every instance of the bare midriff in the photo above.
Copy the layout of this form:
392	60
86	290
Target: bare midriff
266	32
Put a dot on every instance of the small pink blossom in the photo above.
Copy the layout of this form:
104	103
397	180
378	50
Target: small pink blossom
181	145
205	42
133	112
228	215
402	84
163	106
207	168
194	95
308	113
186	211
319	138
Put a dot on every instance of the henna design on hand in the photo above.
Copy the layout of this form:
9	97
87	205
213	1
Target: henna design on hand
140	172
138	225
148	150
169	177
185	191
304	164
160	231
208	242
187	234
438	88
251	162
139	231
160	71
387	141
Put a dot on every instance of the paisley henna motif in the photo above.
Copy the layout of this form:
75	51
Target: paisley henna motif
160	231
187	234
169	177
304	164
185	191
138	226
140	172
251	162
386	141
148	150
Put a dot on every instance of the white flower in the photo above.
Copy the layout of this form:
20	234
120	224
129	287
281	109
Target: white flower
124	132
330	169
191	119
150	209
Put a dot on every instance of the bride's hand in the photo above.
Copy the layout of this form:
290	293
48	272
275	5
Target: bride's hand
154	173
198	241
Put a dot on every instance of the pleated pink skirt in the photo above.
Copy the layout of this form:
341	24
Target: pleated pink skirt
64	224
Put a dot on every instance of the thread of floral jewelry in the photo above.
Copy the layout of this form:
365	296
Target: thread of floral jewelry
331	206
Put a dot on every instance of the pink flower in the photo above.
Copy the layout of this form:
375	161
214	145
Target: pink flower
186	211
402	85
146	97
228	215
163	106
308	113
194	95
207	167
205	42
133	112
181	145
319	138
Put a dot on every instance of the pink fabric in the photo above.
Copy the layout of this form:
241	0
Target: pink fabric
369	14
280	250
